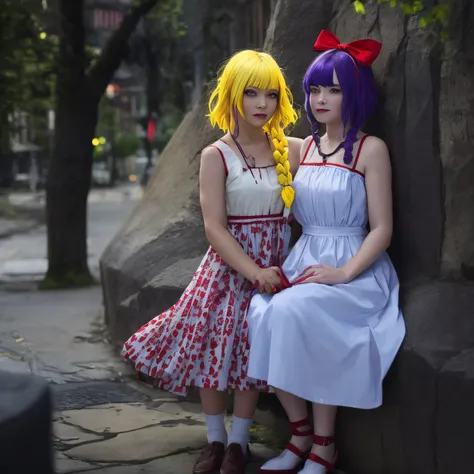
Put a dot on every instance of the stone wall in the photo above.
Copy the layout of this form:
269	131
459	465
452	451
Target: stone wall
425	115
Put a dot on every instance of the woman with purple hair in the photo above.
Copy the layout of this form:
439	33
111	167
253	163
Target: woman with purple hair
331	335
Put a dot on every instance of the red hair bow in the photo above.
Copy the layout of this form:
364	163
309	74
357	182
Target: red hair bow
364	51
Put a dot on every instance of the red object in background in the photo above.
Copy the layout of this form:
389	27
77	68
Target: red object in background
151	130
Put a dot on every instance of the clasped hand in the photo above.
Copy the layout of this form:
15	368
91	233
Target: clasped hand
269	280
323	274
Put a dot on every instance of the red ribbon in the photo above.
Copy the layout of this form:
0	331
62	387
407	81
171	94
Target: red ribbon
364	51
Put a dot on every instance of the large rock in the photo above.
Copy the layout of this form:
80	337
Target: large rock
149	263
425	116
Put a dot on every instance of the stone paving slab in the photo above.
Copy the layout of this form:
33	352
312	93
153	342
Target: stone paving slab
184	409
174	464
183	464
116	418
65	465
67	434
143	445
132	438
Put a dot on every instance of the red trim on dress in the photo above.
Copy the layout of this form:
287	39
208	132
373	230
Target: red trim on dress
222	156
358	152
253	219
337	165
307	150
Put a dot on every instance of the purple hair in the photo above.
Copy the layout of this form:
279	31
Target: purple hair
358	87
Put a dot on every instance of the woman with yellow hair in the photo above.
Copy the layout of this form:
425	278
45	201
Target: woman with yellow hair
246	195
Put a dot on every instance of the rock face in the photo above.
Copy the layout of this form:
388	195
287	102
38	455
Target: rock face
426	116
149	263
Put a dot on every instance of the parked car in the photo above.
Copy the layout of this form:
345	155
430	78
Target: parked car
100	174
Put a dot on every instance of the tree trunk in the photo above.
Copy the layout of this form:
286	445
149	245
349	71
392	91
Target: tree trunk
5	151
67	190
69	177
69	172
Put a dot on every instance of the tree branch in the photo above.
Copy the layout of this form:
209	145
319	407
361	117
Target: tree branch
115	49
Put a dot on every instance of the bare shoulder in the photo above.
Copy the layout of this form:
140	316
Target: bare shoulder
212	164
210	153
294	142
294	146
374	154
374	145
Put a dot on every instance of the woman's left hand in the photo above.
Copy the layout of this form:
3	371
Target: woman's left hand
323	274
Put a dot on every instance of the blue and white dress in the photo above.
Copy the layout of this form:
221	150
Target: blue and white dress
328	344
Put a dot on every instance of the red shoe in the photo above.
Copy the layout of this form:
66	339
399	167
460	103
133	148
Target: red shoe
295	425
324	441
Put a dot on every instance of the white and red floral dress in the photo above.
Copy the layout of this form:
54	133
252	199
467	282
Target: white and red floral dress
202	340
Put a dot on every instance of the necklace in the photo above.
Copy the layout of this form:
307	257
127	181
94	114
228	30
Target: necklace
244	156
325	156
248	159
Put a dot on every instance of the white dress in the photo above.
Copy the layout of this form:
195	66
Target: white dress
329	344
202	340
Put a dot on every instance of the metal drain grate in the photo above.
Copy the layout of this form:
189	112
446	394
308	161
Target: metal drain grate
74	396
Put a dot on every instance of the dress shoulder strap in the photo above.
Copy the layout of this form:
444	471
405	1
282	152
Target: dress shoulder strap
307	150
216	146
358	151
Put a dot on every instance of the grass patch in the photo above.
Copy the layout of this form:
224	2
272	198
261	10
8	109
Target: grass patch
67	281
264	435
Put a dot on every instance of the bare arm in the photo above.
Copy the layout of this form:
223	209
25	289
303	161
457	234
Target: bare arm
378	182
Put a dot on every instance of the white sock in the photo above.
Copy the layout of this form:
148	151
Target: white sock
216	428
311	467
285	461
240	431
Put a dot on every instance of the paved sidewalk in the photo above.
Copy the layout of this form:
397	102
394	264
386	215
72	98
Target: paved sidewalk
162	436
105	420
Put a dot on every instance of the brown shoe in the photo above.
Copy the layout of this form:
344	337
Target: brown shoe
234	460
210	459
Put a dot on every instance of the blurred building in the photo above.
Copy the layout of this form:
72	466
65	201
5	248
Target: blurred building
127	89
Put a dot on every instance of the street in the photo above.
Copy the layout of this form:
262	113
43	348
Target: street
105	420
23	255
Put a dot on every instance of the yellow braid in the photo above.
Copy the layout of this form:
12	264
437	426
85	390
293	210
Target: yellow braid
280	153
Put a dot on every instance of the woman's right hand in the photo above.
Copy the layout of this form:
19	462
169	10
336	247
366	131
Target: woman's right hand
268	279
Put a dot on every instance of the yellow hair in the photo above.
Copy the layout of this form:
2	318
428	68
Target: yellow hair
256	69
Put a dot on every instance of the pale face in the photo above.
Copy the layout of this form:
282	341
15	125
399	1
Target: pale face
259	105
326	102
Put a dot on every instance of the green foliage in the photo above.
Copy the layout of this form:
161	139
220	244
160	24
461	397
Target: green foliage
27	59
359	7
27	67
167	17
107	124
434	16
127	144
98	153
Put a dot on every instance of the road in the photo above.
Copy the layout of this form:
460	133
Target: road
23	255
